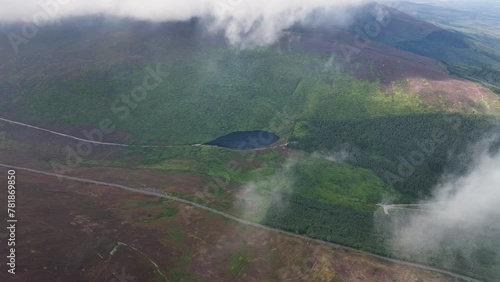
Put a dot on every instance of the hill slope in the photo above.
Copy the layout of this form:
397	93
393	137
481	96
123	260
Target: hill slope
172	83
211	89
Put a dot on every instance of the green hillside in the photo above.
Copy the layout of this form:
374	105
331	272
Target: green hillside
353	134
209	95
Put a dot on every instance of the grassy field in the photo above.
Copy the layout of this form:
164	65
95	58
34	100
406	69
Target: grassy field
346	134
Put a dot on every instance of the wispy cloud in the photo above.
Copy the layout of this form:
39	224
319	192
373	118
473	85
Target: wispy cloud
463	216
256	197
257	22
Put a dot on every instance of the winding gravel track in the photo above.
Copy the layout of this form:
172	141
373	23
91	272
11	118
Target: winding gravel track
91	141
131	145
153	192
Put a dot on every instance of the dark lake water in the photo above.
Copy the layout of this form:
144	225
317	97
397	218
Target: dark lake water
246	140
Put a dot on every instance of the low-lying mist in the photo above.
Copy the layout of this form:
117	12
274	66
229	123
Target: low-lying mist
265	192
257	196
244	23
461	224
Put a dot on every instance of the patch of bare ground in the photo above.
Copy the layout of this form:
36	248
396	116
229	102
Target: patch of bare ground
426	78
422	75
455	95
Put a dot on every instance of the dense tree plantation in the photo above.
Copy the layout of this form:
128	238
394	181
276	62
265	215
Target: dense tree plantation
409	152
331	222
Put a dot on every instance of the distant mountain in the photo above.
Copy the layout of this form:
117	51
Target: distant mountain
465	39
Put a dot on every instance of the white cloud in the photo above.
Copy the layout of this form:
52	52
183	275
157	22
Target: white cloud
256	197
257	22
467	213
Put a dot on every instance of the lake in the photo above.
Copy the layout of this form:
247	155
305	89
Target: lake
246	140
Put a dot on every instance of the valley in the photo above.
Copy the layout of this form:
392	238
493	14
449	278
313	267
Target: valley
170	150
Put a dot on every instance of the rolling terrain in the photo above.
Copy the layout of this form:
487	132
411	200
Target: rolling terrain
462	35
100	232
151	96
